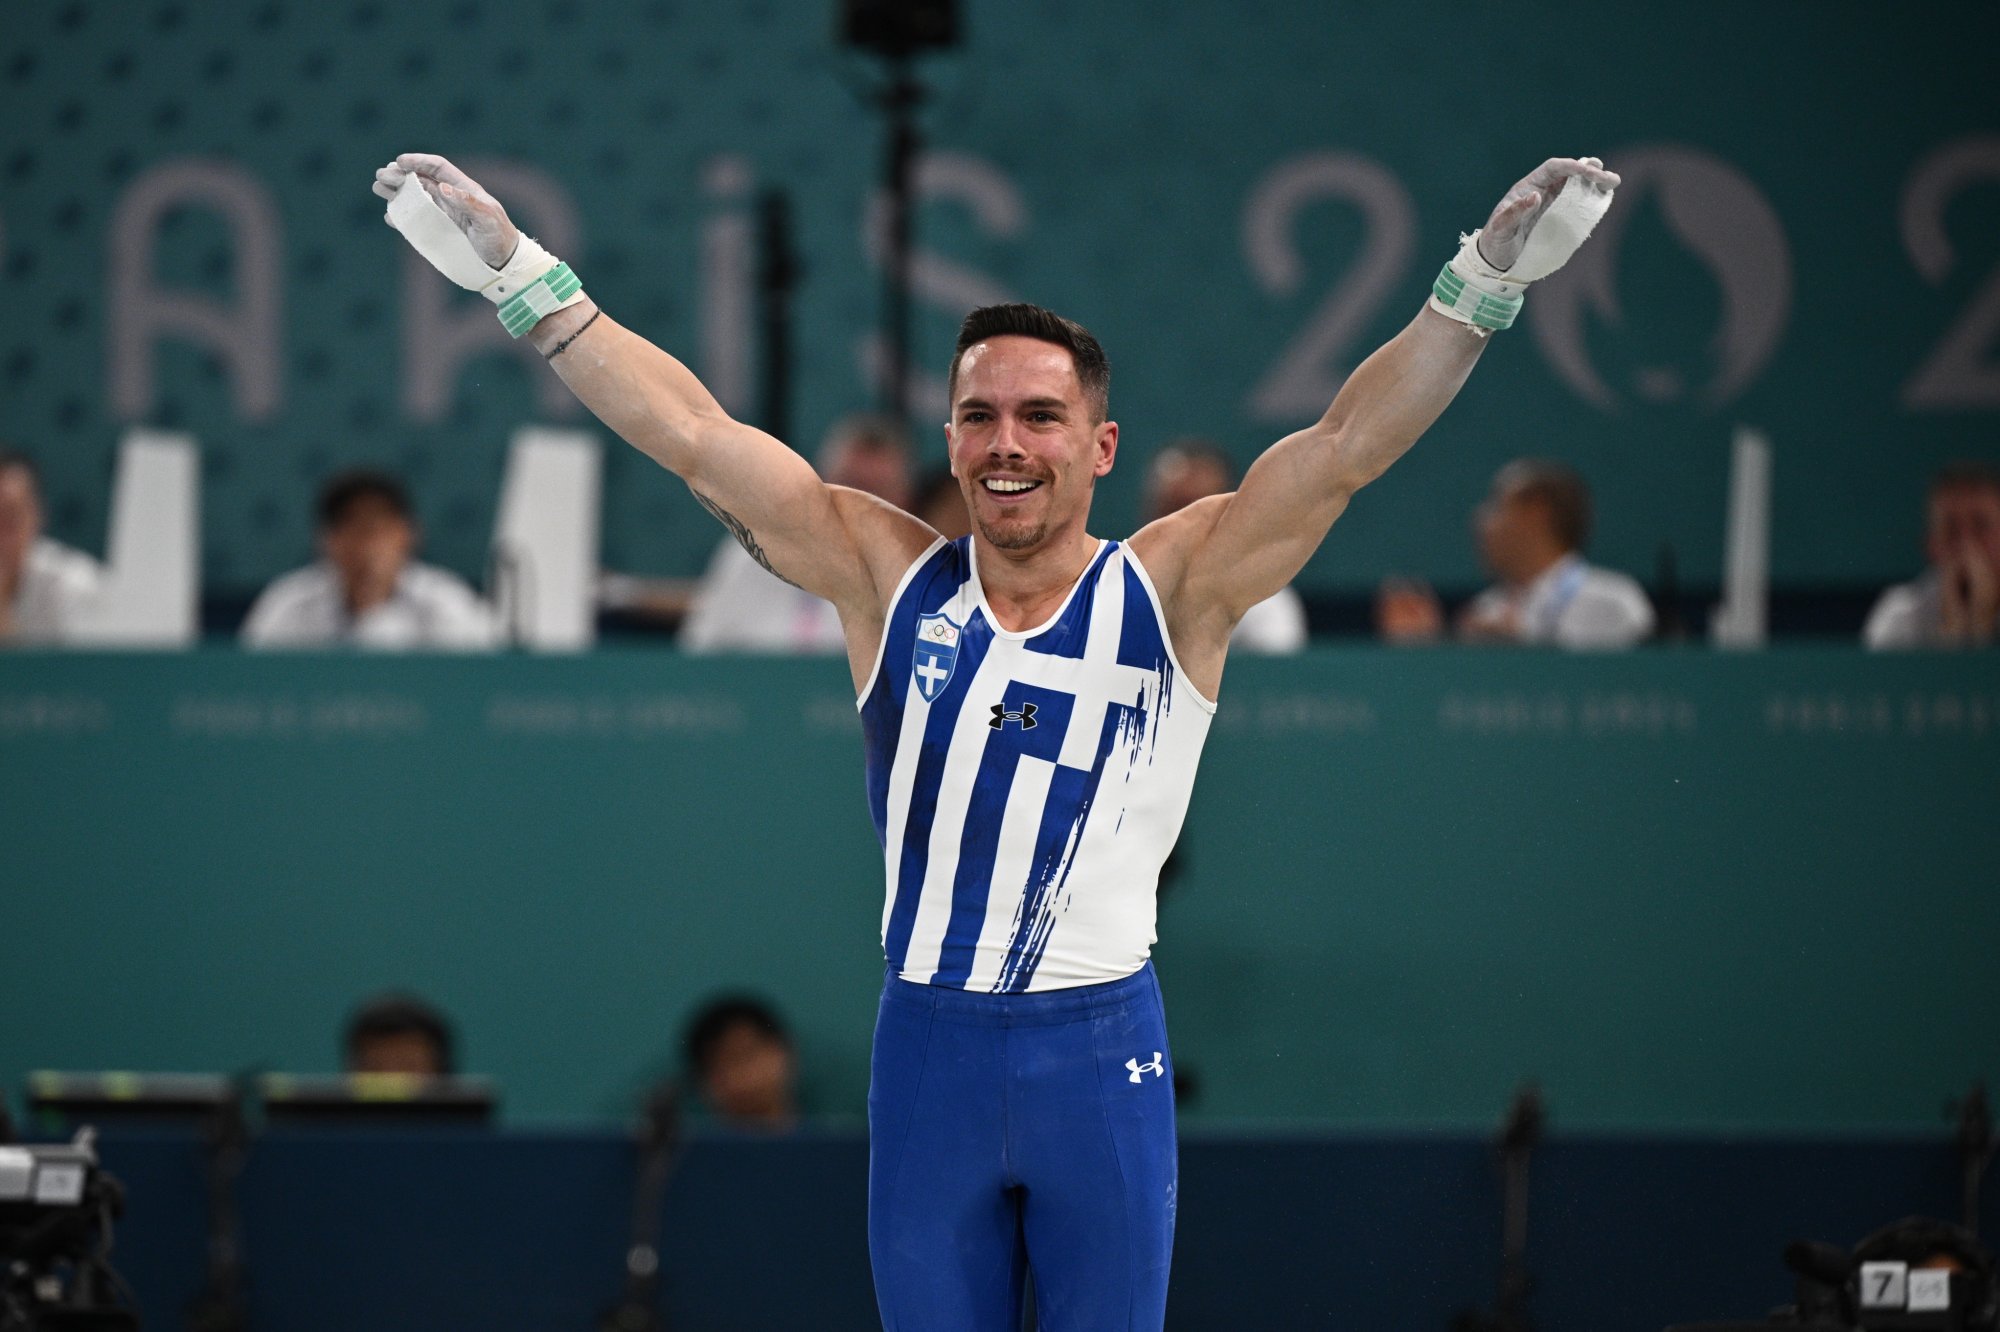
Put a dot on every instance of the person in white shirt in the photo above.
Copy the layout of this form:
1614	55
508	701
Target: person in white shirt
367	591
1190	469
741	607
1956	601
45	586
1532	529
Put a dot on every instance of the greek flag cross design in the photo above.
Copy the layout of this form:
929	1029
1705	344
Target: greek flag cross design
1026	785
935	654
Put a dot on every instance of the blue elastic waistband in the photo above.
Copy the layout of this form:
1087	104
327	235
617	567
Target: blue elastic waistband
1041	1008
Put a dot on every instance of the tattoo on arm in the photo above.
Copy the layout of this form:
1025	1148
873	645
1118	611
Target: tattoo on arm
742	535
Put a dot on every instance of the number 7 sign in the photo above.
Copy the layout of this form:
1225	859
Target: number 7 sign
1885	1285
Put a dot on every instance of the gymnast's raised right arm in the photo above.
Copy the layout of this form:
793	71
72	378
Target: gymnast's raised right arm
837	543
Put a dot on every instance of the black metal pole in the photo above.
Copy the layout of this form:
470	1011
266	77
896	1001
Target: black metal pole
659	1147
777	278
1672	620
1975	1148
1519	1135
1518	1139
901	100
220	1307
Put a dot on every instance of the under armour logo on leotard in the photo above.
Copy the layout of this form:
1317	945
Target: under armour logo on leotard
1026	716
1155	1068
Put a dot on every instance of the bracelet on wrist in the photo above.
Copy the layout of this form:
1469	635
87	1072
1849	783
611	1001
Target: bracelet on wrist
563	346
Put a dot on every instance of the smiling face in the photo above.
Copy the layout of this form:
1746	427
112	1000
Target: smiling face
1026	445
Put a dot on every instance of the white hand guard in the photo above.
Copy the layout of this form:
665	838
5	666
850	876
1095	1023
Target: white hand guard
1474	292
1561	229
530	286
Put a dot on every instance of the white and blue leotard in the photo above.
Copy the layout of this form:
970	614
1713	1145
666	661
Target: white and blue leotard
1026	786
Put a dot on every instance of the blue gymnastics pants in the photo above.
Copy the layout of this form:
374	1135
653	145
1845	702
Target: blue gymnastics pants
1017	1132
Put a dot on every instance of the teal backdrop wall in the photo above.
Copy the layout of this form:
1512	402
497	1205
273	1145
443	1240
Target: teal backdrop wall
1682	890
1241	199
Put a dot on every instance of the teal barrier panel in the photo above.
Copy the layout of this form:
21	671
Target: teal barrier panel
1682	890
1242	201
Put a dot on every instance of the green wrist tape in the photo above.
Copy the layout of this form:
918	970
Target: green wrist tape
539	299
1471	305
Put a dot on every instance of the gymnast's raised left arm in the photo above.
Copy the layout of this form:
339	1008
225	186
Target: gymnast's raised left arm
1219	557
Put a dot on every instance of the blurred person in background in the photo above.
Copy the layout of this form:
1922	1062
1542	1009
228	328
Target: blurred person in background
734	591
1191	469
44	585
1532	528
741	607
1956	601
941	505
742	1063
399	1033
366	590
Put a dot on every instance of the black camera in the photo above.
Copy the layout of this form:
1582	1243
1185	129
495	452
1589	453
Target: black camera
56	1212
1917	1275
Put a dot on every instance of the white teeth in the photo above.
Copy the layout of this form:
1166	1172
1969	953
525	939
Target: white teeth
994	483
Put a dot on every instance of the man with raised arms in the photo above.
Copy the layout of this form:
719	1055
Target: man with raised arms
1033	703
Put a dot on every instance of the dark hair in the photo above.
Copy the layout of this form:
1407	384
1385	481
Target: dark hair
1560	488
16	458
341	493
1965	474
714	1020
400	1014
1093	371
874	429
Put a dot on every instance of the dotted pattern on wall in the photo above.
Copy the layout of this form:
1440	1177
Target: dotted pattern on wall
621	106
1130	136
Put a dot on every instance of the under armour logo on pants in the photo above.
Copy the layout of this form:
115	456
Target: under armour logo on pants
1155	1068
